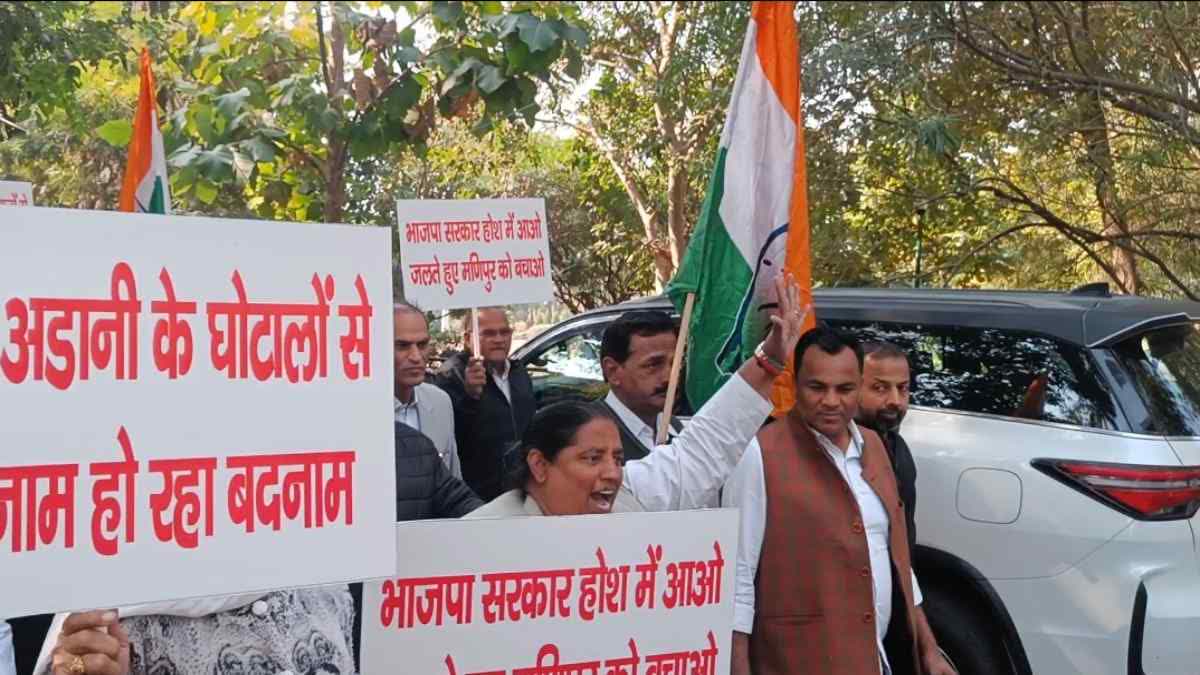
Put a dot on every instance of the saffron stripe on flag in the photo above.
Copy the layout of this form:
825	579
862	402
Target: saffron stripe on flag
754	221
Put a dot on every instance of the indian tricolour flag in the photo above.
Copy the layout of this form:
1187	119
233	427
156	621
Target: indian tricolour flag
145	189
754	221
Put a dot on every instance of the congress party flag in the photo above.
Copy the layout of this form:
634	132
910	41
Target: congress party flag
145	188
754	221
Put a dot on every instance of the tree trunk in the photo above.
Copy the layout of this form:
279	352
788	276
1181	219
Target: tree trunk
1095	135
1094	131
664	263
335	184
676	210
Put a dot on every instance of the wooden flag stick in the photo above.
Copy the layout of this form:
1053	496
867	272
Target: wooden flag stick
475	333
673	386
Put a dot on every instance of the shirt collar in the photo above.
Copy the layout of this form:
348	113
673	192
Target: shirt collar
627	416
856	442
401	405
507	370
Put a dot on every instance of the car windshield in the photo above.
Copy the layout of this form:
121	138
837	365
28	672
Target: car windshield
1165	365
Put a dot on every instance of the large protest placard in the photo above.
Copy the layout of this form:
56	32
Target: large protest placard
191	407
460	253
15	193
615	594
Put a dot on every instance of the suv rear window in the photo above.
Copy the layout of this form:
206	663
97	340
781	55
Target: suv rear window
998	372
1165	365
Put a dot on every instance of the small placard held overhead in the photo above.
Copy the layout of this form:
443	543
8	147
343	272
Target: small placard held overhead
16	193
465	253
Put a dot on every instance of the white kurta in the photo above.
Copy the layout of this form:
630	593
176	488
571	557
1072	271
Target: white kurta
686	474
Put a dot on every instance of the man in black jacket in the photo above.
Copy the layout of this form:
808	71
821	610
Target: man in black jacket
882	405
425	489
493	402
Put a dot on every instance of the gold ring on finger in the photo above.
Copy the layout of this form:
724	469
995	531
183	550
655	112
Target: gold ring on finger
77	667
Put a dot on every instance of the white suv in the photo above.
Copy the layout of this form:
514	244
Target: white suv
1057	442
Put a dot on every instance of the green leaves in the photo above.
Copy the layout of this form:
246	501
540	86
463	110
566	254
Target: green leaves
247	106
540	35
407	55
206	191
489	79
260	149
402	97
231	104
106	11
576	35
447	12
215	163
116	132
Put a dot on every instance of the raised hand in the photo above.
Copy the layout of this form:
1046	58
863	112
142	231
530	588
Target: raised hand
787	324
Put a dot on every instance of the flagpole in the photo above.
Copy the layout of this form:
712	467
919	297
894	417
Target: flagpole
673	386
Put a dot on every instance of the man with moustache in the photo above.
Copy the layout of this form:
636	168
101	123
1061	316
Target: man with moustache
635	354
882	405
824	574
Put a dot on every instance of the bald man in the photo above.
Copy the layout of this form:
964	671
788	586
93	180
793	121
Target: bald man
492	398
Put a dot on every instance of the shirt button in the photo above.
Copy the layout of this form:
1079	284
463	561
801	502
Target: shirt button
868	617
865	572
857	527
259	608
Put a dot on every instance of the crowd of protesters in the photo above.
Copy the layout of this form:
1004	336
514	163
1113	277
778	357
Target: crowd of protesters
826	494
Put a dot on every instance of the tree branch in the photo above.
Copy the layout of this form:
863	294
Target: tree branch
1066	24
1082	236
324	51
1189	66
1075	235
12	124
1138	249
1172	121
985	244
1006	57
304	155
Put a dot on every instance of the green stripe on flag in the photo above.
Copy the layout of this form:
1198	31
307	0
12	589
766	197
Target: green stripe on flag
157	198
715	270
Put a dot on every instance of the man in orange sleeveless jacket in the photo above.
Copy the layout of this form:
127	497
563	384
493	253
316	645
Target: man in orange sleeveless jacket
825	582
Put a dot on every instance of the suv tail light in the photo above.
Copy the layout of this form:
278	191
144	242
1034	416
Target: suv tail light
1139	491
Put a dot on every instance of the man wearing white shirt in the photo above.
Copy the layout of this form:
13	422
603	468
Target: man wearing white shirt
635	354
824	575
686	474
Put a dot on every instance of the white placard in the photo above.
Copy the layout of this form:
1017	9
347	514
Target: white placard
581	593
16	193
278	423
459	253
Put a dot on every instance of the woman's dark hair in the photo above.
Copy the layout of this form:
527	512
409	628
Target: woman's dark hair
552	429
